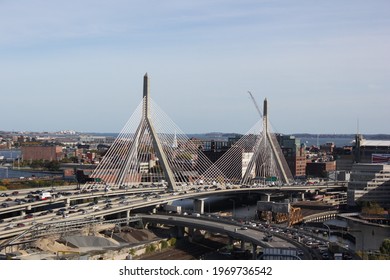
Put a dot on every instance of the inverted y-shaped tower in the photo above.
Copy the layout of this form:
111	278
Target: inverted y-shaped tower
146	122
282	166
260	160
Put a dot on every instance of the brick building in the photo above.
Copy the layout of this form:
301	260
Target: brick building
294	154
50	153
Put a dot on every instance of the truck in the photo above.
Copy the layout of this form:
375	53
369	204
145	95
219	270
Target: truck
44	195
172	208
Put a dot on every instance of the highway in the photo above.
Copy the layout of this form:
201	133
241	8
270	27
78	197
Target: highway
117	200
25	200
250	234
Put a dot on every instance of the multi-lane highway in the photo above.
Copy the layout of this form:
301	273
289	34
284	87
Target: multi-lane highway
71	203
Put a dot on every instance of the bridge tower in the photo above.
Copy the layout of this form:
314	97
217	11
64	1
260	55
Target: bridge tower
259	161
146	123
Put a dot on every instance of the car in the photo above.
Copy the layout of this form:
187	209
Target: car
4	205
15	193
20	225
244	228
28	216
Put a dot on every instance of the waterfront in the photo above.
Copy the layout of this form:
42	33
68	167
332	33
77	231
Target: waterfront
10	154
6	173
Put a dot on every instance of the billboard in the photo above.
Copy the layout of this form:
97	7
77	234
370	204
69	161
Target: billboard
380	158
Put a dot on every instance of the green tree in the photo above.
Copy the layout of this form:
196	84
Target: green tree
164	244
385	247
172	241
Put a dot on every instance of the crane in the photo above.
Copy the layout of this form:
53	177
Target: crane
257	107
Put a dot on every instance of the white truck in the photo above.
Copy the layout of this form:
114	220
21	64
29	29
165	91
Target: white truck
44	195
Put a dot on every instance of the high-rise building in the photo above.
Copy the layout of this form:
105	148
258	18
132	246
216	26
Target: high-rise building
294	153
369	183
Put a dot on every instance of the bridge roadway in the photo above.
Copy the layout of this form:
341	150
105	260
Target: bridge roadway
9	226
185	192
248	234
251	234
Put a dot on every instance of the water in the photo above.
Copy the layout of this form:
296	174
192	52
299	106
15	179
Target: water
11	173
339	142
368	237
10	154
242	211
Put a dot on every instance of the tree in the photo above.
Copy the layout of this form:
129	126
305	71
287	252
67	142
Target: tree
372	208
385	247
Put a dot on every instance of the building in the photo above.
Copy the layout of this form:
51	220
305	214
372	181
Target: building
366	150
363	151
344	158
49	152
328	148
369	183
320	169
294	154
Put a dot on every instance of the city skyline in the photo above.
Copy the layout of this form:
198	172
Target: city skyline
79	65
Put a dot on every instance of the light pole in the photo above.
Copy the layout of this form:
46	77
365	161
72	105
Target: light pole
328	230
234	207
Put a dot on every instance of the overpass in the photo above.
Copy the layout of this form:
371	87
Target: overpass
185	192
232	229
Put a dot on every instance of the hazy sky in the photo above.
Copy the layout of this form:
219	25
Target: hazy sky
79	64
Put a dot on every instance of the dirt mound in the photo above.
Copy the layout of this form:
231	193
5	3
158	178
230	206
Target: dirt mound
132	235
50	244
89	241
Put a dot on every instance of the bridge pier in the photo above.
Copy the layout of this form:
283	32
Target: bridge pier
180	231
254	251
303	196
128	215
67	202
23	213
199	206
266	197
243	245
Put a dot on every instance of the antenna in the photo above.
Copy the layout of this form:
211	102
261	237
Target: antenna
357	126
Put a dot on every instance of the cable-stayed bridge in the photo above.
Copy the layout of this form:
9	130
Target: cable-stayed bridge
152	149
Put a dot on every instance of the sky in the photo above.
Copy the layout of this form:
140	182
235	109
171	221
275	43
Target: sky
324	66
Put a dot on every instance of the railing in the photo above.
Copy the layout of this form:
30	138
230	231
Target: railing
45	229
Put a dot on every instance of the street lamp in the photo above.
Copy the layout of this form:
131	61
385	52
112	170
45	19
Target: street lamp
328	230
234	207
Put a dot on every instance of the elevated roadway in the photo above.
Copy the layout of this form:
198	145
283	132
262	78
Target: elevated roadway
184	193
9	228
